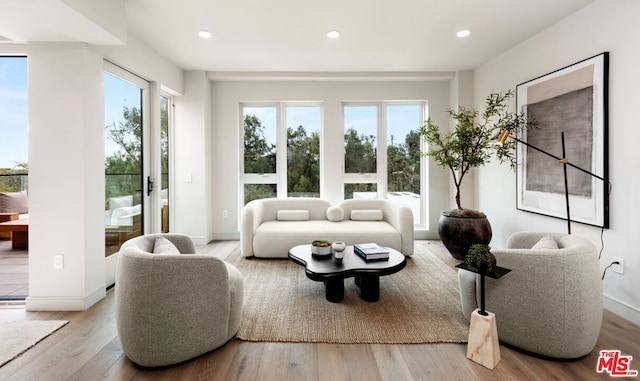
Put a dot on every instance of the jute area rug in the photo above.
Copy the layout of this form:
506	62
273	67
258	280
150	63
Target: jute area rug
419	304
16	337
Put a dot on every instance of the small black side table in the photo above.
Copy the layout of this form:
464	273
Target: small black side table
483	346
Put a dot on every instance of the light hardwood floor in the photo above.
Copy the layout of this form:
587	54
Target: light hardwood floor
88	349
14	270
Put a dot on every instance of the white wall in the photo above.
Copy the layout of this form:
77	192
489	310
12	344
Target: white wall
66	176
192	160
604	25
227	95
66	133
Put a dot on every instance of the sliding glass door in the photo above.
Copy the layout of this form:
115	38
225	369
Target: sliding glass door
126	165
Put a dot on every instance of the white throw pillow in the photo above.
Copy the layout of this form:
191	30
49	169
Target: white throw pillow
546	243
293	215
366	215
164	246
335	214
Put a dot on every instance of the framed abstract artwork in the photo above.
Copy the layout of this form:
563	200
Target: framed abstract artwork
571	101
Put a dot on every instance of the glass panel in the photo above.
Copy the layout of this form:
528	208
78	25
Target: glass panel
14	274
403	156
164	162
259	139
13	124
303	151
257	191
360	191
123	162
360	134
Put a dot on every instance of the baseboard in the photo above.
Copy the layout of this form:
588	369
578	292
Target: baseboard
621	309
226	236
425	234
200	240
61	303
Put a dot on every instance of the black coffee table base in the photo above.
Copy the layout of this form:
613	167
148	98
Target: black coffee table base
334	290
369	288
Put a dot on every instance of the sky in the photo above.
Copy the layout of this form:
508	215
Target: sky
14	113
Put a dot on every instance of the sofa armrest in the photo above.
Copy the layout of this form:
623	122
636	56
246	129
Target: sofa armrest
401	218
250	220
397	215
468	294
183	242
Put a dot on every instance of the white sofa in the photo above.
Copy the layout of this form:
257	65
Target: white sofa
270	227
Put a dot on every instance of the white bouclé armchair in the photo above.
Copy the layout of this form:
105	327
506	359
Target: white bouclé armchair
172	307
551	301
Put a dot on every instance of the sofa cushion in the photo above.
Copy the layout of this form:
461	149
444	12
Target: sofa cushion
366	215
293	215
164	246
546	243
335	214
14	202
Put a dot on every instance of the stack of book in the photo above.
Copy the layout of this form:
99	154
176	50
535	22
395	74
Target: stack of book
371	252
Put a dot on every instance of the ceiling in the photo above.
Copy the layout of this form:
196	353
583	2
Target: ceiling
290	35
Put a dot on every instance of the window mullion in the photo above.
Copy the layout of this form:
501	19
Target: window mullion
281	150
382	150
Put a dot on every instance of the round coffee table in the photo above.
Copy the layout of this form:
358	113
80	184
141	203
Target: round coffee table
367	274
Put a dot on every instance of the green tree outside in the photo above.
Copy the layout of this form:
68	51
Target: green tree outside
123	169
303	161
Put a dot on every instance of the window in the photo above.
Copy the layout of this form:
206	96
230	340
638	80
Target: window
404	155
259	139
164	161
281	150
259	152
360	136
124	109
303	151
13	124
382	155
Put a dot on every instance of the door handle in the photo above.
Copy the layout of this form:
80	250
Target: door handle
149	185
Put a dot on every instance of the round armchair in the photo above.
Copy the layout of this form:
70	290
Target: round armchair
551	301
171	307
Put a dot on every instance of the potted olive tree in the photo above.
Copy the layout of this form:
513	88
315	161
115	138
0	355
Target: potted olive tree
471	144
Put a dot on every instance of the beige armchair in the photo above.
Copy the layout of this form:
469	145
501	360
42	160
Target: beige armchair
551	301
172	307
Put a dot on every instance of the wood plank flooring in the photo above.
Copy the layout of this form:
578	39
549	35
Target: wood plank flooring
14	270
88	349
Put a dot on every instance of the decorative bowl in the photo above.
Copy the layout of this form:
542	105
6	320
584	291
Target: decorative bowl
321	247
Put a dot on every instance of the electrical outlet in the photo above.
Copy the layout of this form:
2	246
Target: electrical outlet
225	213
618	268
58	262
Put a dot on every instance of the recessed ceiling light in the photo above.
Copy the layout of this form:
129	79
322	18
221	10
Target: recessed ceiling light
333	34
463	33
204	34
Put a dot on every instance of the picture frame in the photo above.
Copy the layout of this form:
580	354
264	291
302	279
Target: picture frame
571	101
